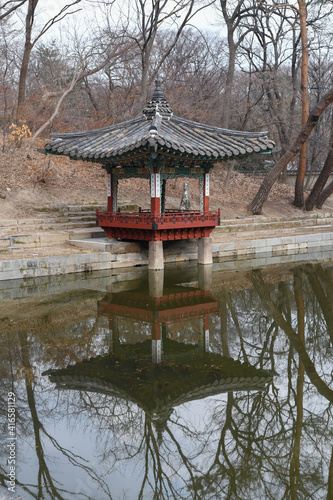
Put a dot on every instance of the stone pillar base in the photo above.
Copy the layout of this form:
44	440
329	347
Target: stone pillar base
156	282
155	257
205	276
205	254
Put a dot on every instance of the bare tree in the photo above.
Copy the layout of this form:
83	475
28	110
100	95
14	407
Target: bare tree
299	185
263	192
7	73
152	17
82	73
235	15
30	42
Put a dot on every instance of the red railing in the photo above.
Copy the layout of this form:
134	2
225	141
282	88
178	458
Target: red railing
166	220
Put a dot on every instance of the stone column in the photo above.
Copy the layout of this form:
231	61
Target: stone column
156	282
205	276
205	254
155	256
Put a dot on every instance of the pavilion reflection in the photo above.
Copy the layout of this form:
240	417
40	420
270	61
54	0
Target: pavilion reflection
124	422
159	350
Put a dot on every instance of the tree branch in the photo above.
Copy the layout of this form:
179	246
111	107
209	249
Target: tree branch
11	9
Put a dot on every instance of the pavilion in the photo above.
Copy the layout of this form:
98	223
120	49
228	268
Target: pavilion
158	146
160	370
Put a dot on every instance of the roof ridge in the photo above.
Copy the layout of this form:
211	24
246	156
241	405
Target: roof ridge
93	132
225	131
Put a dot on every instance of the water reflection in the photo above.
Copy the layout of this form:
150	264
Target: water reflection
188	384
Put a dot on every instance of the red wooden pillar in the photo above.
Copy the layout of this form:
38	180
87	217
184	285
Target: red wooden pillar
206	191
155	189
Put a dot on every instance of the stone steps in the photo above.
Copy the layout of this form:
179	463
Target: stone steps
54	218
261	218
37	240
55	207
32	227
231	226
261	233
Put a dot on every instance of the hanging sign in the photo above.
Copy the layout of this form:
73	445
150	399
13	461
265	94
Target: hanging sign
155	185
109	185
206	340
206	184
152	186
156	351
158	185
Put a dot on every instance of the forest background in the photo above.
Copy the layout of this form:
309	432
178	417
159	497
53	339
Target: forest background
239	64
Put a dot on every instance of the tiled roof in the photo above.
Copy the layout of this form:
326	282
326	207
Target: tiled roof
158	130
159	388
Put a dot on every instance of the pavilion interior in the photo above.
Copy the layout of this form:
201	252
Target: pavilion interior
173	193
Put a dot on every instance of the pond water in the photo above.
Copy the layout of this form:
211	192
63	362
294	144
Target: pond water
187	384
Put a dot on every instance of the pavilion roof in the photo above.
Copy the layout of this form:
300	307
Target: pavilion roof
158	130
158	389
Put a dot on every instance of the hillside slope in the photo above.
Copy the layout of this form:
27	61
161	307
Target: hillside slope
30	181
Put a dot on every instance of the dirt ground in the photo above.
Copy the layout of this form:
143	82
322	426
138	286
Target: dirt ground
30	181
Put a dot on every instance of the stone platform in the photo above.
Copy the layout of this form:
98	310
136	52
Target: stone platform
88	250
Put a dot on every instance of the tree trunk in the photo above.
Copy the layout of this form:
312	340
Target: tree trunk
269	180
295	460
229	80
324	195
299	185
29	21
230	168
330	479
323	176
144	77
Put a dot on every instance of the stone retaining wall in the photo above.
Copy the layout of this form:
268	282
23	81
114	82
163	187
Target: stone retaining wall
299	243
127	254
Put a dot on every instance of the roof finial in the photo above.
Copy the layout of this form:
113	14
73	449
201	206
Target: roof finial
158	105
158	95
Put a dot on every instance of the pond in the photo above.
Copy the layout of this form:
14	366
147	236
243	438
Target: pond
190	383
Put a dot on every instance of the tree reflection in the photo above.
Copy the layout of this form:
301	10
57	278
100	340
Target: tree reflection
31	410
299	486
168	427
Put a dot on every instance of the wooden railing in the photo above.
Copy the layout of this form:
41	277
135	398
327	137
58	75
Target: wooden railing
168	219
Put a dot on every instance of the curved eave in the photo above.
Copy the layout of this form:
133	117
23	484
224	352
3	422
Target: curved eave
187	140
139	155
